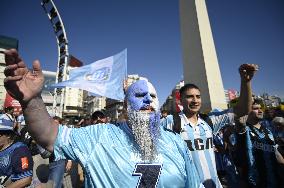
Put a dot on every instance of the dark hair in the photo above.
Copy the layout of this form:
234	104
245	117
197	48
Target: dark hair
9	133
98	114
59	119
9	109
164	111
257	101
87	117
187	87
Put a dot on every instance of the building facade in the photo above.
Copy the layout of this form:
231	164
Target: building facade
2	77
93	103
73	102
5	43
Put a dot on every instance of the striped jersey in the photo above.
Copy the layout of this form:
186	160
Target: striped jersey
260	160
199	140
109	157
167	122
16	163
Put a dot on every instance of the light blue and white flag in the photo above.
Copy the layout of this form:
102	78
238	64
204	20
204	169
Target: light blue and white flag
104	77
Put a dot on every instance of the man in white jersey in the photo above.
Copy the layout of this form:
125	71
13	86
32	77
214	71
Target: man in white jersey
197	131
137	153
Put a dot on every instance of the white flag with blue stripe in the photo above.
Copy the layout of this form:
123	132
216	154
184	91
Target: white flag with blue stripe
104	77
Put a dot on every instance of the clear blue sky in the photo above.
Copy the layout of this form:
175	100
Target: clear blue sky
244	31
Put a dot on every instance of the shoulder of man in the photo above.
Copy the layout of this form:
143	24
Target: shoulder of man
18	144
207	119
269	134
168	130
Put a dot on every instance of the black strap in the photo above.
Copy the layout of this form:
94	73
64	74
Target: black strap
265	130
8	115
177	122
207	119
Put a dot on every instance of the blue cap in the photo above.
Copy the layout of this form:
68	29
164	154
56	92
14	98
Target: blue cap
6	124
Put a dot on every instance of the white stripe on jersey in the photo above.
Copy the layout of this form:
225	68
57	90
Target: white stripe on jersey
201	158
220	119
204	160
65	136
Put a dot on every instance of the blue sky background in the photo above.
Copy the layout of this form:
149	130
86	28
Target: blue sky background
244	31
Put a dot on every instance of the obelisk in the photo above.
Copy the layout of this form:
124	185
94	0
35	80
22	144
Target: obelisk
200	63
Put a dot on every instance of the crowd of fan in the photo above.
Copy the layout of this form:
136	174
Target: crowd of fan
42	173
238	147
231	151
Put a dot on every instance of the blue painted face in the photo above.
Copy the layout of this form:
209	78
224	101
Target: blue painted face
141	95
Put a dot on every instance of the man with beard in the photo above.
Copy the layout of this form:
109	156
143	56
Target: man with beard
256	144
197	129
137	153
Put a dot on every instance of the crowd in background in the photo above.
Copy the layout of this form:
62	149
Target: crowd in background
47	172
238	147
231	162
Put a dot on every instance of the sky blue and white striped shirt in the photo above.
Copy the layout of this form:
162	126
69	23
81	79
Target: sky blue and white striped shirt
199	140
108	157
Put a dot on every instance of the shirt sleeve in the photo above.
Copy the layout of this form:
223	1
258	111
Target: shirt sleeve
170	122
242	147
22	163
167	122
76	143
220	119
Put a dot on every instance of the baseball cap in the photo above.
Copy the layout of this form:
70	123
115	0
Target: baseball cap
5	123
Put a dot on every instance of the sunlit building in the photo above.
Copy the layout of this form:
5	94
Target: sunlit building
5	43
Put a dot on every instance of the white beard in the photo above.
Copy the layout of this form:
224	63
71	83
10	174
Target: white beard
146	132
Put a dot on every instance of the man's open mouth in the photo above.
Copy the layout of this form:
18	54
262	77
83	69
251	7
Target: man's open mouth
148	109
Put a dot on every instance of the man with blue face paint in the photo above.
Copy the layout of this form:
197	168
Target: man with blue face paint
137	153
143	118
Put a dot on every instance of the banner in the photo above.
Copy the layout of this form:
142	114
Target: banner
103	78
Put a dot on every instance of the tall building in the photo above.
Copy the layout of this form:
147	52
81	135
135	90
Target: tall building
47	92
73	102
5	43
73	97
200	63
2	77
93	103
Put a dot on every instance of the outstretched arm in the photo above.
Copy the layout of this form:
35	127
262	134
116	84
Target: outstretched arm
24	182
25	86
243	106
